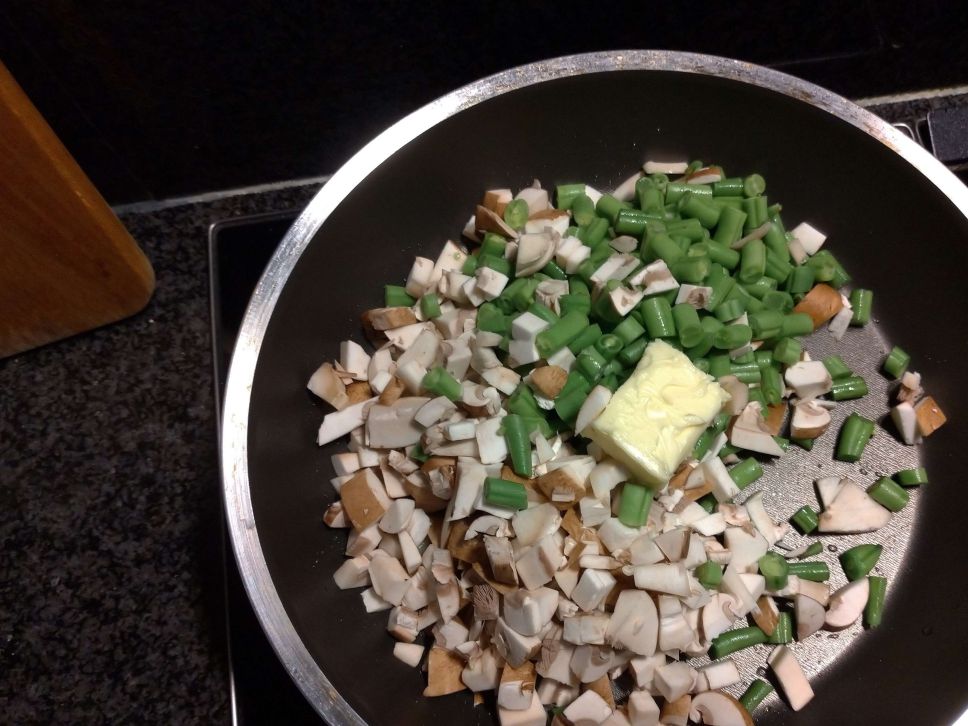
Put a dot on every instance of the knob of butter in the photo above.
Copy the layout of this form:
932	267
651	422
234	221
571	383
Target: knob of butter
653	420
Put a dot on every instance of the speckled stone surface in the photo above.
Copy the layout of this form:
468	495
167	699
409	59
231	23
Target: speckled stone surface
111	599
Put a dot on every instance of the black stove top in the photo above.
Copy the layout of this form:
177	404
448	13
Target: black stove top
261	690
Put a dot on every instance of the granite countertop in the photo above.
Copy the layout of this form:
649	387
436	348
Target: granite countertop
111	600
111	583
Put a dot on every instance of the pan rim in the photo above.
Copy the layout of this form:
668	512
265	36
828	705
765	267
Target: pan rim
246	546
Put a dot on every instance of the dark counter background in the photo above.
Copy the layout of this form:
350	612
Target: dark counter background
110	572
165	99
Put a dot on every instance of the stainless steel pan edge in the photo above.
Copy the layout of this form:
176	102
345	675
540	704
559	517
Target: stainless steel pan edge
234	455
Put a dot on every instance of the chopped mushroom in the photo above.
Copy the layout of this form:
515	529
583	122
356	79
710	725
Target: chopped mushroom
809	615
809	379
852	511
443	673
409	653
328	386
929	415
715	708
792	680
589	709
847	604
821	304
748	432
809	420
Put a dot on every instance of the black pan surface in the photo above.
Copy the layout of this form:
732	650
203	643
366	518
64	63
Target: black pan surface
889	224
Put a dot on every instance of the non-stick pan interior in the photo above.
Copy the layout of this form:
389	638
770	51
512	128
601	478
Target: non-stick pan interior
888	224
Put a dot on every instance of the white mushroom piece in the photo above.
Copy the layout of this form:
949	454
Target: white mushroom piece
715	708
847	604
809	615
328	386
809	379
339	423
749	432
589	709
809	420
792	679
594	404
851	510
392	427
738	394
534	252
905	418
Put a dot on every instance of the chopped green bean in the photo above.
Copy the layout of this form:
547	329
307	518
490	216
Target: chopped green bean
787	351
657	316
845	389
854	435
775	570
814	570
858	561
733	640
912	477
430	306
754	185
746	472
754	695
731	337
396	296
561	333
861	301
439	382
729	310
876	593
796	324
897	362
634	505
516	213
889	494
752	263
585	338
567	193
688	327
805	519
783	632
503	493
709	574
836	367
519	445
582	209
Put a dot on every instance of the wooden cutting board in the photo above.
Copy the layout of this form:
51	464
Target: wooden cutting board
66	263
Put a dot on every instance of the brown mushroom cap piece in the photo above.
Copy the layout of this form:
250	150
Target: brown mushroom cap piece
443	673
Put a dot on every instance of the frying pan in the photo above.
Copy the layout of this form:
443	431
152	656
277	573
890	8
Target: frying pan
894	216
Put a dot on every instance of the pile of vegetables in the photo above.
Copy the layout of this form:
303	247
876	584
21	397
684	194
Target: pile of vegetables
511	553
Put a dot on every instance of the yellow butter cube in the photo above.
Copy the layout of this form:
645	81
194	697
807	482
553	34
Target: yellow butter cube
653	420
